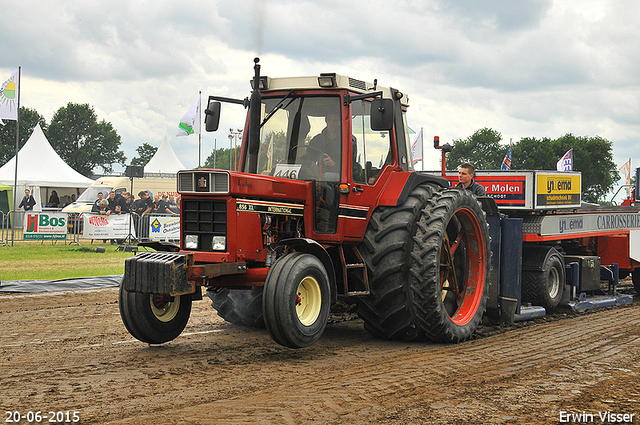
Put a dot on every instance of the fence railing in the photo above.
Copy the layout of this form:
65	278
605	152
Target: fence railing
72	228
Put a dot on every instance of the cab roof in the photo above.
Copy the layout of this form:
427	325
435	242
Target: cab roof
328	81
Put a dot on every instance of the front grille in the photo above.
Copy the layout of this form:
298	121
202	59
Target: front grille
205	218
203	181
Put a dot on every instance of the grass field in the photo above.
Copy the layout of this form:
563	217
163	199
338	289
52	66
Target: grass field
36	260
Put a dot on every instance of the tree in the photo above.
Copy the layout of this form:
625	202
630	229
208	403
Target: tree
146	152
29	118
592	156
223	159
533	154
482	149
82	141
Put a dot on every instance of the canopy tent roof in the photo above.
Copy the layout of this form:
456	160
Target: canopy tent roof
164	161
40	165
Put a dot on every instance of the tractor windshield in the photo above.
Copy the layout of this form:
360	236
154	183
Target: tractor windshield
300	138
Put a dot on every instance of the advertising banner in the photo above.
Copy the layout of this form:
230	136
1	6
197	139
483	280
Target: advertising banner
45	225
107	227
164	228
558	189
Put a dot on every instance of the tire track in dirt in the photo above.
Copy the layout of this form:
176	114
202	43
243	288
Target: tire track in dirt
80	357
537	361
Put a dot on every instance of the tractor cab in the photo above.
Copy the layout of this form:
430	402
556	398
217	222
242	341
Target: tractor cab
331	130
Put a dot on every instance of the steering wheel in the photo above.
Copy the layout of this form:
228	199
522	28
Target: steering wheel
308	164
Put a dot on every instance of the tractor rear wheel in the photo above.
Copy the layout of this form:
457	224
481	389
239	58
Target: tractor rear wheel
238	306
154	318
388	311
428	262
450	266
296	300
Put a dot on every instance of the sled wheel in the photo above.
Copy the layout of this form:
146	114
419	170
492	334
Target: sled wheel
154	318
544	286
239	306
450	266
296	300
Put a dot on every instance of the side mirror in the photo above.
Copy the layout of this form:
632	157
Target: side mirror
212	116
381	114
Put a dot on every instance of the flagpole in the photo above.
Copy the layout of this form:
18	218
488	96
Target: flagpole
200	126
629	185
15	180
421	142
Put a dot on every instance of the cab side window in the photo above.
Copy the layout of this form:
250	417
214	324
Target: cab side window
371	150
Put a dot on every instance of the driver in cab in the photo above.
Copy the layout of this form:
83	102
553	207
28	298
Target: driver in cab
327	146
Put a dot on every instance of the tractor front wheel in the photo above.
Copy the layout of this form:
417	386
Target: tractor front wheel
296	300
154	318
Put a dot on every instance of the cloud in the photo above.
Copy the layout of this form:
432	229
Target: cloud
535	68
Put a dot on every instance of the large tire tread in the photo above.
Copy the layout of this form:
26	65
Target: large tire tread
238	306
387	311
431	311
142	324
401	248
535	283
635	278
281	318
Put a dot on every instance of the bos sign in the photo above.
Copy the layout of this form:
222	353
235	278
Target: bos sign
49	225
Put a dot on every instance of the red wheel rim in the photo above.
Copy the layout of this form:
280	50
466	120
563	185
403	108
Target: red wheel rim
468	293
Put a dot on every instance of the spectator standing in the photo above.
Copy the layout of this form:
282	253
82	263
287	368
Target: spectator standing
129	201
172	206
116	200
163	206
101	207
140	208
156	204
144	204
96	204
27	201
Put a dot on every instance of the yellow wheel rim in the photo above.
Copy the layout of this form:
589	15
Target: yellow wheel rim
308	301
164	311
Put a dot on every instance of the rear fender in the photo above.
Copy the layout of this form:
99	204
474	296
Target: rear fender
401	185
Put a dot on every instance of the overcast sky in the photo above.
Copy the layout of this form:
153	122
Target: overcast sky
538	68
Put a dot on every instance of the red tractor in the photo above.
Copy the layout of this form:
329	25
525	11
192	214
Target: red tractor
325	206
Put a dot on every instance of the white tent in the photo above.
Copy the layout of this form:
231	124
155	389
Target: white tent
164	161
40	166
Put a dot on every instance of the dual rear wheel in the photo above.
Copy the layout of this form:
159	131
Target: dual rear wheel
428	262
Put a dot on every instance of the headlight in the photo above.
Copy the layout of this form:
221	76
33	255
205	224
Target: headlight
191	241
219	243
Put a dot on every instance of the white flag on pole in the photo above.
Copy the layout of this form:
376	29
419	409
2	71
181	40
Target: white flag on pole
416	147
566	162
9	98
190	122
626	171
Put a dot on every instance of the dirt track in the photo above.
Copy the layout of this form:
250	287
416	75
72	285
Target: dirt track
71	352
